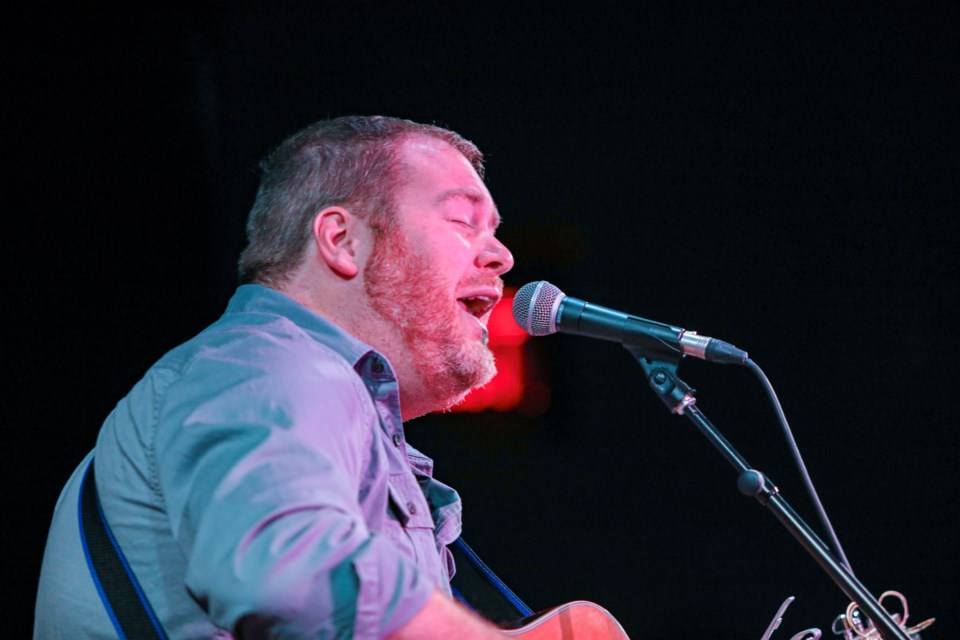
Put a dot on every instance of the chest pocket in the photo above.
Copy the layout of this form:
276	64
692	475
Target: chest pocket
411	525
407	502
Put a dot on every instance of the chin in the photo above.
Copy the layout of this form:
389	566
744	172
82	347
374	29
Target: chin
470	367
449	403
478	365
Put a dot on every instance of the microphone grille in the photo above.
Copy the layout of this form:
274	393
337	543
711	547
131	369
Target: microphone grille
534	307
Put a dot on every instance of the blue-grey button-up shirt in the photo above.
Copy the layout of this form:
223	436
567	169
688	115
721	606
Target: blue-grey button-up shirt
259	482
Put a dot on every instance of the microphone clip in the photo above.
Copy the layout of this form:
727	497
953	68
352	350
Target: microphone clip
662	376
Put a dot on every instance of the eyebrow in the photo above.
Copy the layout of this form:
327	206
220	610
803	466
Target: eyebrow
472	194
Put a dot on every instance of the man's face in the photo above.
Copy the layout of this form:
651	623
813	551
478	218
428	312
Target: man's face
435	273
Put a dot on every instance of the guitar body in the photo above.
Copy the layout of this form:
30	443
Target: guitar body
572	621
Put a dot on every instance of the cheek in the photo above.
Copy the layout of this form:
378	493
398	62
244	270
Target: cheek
454	242
451	257
464	242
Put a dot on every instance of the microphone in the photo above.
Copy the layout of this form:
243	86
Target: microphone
541	309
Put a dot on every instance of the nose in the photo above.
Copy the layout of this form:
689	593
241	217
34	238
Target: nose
496	257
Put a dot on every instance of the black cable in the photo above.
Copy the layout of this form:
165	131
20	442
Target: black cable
795	451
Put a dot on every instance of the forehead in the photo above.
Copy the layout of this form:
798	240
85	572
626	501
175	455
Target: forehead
435	171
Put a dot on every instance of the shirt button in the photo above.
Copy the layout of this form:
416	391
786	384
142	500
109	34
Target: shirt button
397	439
412	508
377	365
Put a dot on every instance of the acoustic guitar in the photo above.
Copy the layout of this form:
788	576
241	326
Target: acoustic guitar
578	620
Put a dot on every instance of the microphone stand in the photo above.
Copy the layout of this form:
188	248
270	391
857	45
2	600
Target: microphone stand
661	373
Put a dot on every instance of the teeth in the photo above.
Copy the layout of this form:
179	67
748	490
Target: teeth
478	305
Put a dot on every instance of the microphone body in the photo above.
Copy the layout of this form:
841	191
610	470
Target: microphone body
541	309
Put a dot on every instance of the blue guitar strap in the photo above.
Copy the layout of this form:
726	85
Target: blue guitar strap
478	587
126	604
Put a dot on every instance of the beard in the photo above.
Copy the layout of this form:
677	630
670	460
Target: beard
405	289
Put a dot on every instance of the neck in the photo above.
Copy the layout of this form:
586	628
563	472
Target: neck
347	306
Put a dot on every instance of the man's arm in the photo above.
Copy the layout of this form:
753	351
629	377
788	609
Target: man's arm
442	618
260	457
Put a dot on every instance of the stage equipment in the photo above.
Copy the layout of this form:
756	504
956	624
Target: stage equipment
541	309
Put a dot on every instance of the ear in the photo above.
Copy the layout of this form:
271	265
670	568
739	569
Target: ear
336	238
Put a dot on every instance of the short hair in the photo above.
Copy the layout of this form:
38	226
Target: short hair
350	161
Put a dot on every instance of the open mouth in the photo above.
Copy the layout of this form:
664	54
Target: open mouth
478	306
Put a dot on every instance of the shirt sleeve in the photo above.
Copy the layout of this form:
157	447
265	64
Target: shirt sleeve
260	449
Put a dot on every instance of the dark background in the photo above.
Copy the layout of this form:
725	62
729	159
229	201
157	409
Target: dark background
783	177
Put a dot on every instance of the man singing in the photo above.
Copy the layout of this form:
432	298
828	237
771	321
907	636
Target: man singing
257	479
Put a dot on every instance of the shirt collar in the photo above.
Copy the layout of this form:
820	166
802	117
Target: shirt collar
255	298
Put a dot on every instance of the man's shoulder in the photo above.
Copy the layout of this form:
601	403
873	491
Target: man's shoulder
261	342
263	370
255	358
